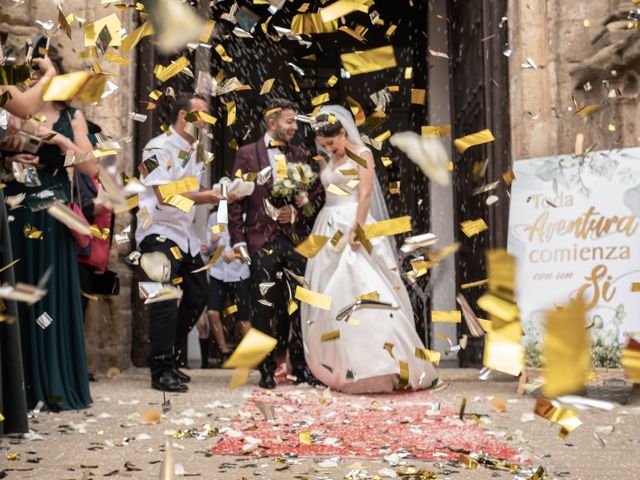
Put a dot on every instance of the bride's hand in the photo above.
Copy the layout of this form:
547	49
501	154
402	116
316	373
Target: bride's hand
301	199
355	244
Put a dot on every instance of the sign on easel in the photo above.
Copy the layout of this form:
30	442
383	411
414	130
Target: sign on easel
574	227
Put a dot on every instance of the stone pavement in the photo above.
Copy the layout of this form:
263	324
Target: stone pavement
108	440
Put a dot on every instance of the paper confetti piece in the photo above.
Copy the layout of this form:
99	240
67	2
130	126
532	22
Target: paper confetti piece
463	143
312	298
450	316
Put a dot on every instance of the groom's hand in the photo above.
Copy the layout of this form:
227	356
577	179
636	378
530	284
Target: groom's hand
285	214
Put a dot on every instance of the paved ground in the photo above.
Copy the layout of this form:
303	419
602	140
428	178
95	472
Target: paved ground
108	440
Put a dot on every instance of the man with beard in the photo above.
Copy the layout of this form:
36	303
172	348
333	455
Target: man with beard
269	242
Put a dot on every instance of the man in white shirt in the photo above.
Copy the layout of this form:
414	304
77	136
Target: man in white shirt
168	158
228	276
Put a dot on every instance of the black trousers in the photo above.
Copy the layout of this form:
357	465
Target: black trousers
265	263
170	324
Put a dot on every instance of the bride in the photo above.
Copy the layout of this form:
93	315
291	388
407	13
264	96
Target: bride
373	350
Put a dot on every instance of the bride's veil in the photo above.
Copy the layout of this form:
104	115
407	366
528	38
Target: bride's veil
378	207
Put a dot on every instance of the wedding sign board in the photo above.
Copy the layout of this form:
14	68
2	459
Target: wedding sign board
574	227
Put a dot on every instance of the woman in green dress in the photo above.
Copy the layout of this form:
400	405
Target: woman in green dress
54	357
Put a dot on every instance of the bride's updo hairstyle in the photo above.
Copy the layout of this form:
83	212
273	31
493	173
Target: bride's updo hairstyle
326	125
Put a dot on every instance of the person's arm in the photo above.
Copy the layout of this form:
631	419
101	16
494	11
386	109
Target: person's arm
365	189
80	145
236	209
200	197
30	101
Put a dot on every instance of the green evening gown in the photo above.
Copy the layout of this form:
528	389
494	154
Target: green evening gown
55	367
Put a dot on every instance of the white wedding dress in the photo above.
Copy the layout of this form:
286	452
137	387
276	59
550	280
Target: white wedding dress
367	355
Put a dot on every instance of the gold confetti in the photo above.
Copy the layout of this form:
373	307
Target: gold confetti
336	190
217	228
332	81
65	87
403	374
305	438
631	360
363	239
369	60
473	227
239	377
92	31
100	233
394	188
428	355
390	31
312	298
9	265
132	39
267	86
563	416
356	158
294	83
32	233
336	238
386	161
635	286
450	316
436	130
177	254
327	337
180	202
223	54
230	310
252	350
207	30
566	350
369	296
311	24
178	187
463	143
418	96
392	226
408	75
320	99
214	258
165	73
341	8
479	283
292	307
231	112
311	245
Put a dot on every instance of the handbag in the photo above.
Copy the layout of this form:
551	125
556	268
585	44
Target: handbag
83	242
105	283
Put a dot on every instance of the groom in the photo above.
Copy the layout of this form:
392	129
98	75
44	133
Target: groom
270	242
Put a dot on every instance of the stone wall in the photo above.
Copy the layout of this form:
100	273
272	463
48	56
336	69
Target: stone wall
572	43
108	327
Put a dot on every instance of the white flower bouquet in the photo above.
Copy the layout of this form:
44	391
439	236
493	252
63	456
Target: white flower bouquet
300	177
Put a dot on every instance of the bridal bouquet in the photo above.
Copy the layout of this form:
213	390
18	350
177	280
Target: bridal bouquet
299	178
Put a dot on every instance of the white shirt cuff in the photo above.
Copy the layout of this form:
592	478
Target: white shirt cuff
239	244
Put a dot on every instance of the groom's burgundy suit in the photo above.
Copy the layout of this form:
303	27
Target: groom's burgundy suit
271	247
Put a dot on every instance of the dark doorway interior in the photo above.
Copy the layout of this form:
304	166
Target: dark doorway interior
479	100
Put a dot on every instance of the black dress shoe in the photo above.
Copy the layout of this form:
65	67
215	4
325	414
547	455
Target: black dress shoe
168	382
267	381
183	377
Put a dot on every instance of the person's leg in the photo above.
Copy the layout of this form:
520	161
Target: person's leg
163	317
264	265
193	302
296	263
241	295
203	339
